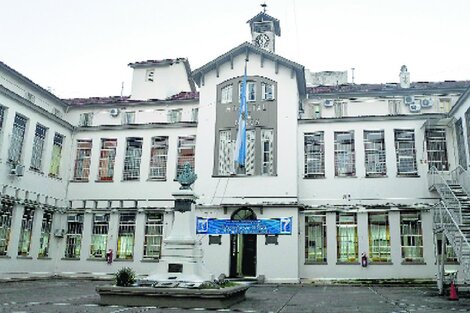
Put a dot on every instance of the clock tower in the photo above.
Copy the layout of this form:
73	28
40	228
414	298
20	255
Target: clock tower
264	29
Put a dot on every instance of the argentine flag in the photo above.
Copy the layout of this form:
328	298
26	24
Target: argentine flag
239	154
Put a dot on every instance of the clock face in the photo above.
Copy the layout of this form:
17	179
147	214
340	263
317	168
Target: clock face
262	40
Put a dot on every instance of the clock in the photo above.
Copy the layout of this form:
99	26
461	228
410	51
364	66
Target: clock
262	40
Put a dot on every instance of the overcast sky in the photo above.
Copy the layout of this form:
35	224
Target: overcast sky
82	48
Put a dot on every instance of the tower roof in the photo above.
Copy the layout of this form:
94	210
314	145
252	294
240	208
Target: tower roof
263	17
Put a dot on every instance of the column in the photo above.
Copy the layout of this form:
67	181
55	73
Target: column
139	235
363	233
395	239
36	232
86	234
113	231
15	230
331	245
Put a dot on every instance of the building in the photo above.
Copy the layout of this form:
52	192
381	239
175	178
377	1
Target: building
332	172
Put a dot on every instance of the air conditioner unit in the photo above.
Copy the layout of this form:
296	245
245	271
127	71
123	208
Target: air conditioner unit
328	103
426	103
59	233
415	107
408	100
114	112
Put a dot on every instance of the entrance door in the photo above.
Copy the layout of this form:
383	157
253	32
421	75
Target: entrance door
243	248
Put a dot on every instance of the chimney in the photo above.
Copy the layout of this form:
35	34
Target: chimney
404	77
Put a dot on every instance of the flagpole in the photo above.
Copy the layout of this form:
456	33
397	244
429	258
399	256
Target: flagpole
240	144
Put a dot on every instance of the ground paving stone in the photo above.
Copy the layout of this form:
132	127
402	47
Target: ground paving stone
79	296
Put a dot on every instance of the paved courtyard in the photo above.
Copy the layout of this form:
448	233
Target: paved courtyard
65	295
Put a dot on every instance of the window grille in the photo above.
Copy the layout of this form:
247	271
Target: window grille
174	116
56	155
374	146
249	168
17	137
250	91
125	249
194	114
345	154
153	235
5	227
83	159
38	147
128	118
467	122
461	143
107	158
394	107
315	238
314	153
225	152
158	158
411	237
24	244
86	119
99	236
379	237
73	238
227	94
340	108
267	153
186	152
406	152
46	228
347	237
267	91
316	110
132	159
2	117
437	149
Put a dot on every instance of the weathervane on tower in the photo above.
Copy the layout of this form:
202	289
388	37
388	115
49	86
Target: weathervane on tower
264	29
264	6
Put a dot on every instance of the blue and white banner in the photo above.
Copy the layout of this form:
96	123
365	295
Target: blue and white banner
271	226
239	153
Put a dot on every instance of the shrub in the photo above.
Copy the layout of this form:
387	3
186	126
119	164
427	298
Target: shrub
125	277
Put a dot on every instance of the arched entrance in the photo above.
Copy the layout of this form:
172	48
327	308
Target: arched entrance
243	248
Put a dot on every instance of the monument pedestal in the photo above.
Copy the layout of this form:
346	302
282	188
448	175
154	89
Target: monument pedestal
181	259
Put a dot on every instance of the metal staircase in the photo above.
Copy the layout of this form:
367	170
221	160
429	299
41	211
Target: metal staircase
452	218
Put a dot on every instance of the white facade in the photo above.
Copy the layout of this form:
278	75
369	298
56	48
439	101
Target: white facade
347	165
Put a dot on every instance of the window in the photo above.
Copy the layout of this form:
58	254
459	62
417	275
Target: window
394	107
379	237
194	114
344	154
86	119
73	238
153	235
56	155
24	244
83	159
227	94
158	158
267	91
406	152
314	154
461	144
38	147
374	146
46	228
316	110
250	91
467	122
411	237
225	152
437	149
150	75
5	227
125	249
444	105
107	157
17	137
99	236
132	159
186	151
267	153
315	238
250	164
346	237
2	117
174	115
128	118
340	108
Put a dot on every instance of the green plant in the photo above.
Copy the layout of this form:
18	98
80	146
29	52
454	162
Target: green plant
125	277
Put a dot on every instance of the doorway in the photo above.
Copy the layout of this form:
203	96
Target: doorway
243	248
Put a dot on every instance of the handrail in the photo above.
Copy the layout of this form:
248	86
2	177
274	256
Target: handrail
462	176
455	224
436	179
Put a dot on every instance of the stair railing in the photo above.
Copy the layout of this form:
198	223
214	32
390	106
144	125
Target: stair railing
454	234
462	176
436	180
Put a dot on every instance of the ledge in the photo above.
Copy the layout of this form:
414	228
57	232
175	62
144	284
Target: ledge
156	179
379	263
20	257
348	263
123	260
44	258
70	259
413	263
5	257
104	181
315	263
149	260
96	259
